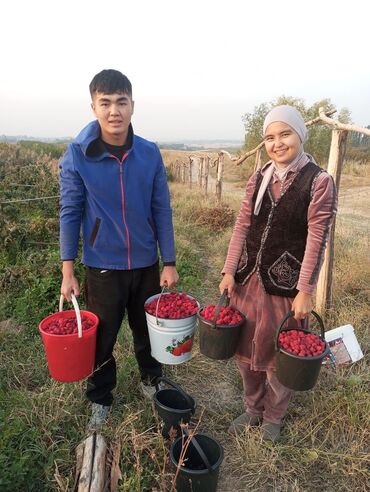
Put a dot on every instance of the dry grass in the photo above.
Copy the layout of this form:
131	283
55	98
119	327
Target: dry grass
325	443
326	440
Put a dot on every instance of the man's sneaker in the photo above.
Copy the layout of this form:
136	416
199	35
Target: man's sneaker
149	390
99	416
244	420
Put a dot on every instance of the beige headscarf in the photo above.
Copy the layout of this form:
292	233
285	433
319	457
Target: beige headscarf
292	117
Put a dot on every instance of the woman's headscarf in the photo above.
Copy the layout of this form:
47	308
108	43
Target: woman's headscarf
292	117
289	115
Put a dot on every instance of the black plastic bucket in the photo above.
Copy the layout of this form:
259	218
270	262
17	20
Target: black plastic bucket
296	372
218	341
173	406
201	463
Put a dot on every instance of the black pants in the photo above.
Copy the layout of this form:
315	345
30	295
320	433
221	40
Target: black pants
109	294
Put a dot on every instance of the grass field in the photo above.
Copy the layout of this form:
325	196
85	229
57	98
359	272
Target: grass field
326	440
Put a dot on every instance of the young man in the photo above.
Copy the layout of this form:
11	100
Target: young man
114	189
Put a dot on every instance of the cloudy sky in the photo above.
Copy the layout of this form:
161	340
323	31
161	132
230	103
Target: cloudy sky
196	66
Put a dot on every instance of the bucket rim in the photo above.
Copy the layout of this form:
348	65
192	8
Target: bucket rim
220	327
66	335
306	358
204	471
170	319
70	311
155	296
170	409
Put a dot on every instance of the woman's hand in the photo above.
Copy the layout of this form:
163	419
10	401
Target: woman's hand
302	305
228	283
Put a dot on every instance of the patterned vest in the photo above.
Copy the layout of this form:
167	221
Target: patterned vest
276	241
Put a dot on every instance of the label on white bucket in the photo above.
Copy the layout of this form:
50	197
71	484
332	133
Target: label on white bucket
343	345
171	342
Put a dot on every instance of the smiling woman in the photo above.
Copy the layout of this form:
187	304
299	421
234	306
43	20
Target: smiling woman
282	143
274	259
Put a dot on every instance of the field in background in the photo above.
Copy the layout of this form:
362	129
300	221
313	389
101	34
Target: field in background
326	439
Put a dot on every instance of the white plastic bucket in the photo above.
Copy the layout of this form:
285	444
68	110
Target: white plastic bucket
169	338
344	345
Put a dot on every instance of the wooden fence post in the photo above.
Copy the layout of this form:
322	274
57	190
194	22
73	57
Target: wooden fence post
183	172
335	164
258	160
200	171
220	171
190	171
178	170
205	173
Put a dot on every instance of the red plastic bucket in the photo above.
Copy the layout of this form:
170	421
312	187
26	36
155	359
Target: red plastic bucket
70	357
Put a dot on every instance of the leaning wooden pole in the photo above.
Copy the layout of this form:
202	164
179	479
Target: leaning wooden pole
258	161
335	164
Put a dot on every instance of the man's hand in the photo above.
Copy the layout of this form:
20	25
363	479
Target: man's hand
169	276
69	282
228	282
302	305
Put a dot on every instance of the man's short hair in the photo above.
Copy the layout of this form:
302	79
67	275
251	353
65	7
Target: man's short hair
110	82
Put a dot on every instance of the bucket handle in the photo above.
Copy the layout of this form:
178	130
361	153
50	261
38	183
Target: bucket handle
180	390
198	448
77	311
159	298
290	314
219	305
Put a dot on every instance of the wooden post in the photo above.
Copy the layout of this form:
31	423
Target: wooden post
205	173
258	160
98	471
171	169
220	171
335	164
190	171
87	464
91	455
178	171
183	172
200	171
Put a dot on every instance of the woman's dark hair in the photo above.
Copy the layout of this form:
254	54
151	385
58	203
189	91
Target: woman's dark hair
110	82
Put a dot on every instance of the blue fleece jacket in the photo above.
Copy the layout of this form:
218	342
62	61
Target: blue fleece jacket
122	207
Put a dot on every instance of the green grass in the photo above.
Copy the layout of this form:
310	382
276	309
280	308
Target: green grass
325	443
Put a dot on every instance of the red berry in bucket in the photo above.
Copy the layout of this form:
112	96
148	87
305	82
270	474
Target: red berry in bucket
172	305
67	326
227	315
300	343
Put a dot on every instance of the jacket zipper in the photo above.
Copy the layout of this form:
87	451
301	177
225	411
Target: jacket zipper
123	208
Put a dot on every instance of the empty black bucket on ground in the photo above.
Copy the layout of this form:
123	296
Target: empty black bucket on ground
174	406
218	341
195	475
296	372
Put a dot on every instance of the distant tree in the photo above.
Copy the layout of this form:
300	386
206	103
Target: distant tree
358	147
319	136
